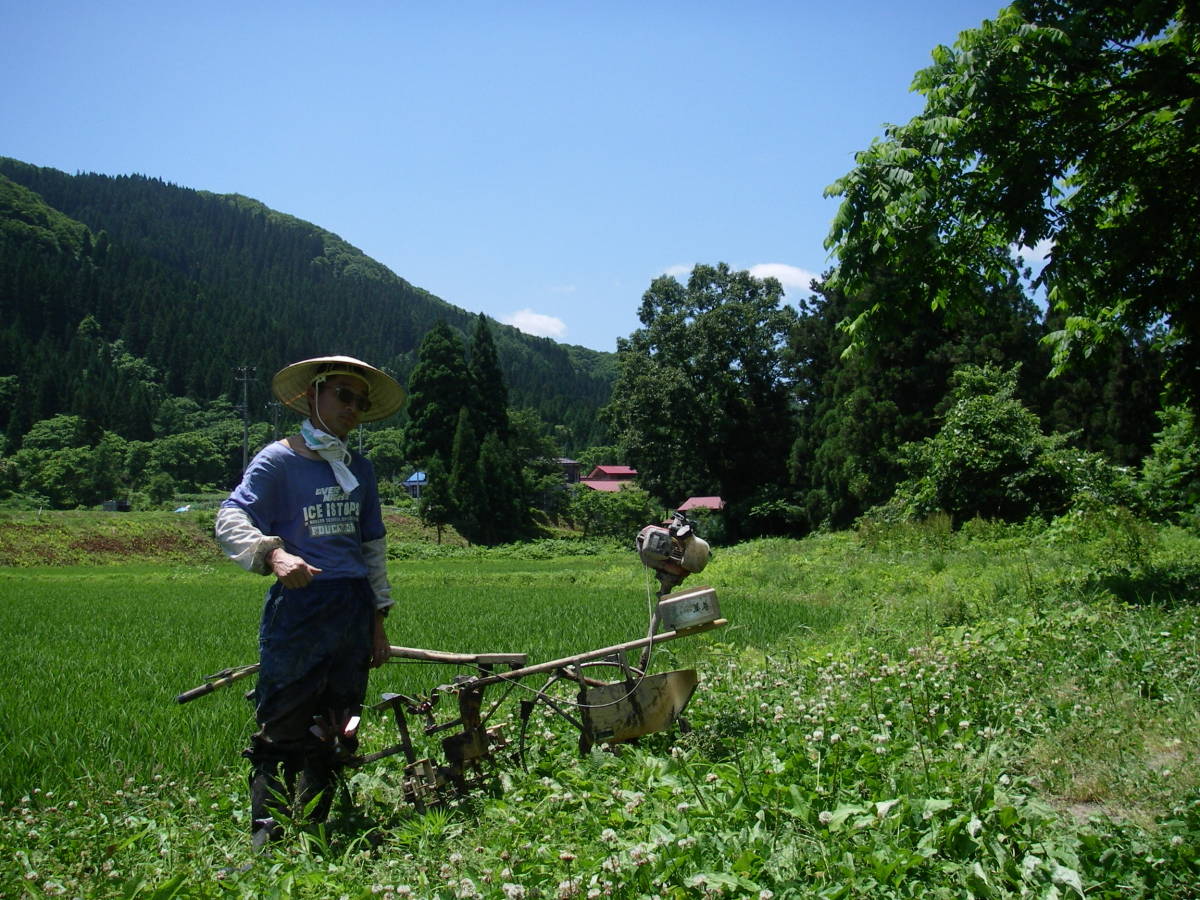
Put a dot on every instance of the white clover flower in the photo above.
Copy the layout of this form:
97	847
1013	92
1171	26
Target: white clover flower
825	817
513	891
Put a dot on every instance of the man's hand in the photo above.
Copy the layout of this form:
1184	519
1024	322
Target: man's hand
381	650
291	570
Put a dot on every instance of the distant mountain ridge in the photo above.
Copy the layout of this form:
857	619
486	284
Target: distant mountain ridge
196	284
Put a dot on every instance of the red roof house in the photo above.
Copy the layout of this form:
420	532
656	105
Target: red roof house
701	503
609	478
612	473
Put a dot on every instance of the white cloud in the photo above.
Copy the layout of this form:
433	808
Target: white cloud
1037	255
680	271
791	277
536	324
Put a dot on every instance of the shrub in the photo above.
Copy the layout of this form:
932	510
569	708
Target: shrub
1170	482
618	514
991	460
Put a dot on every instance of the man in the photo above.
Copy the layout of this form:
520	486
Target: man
307	511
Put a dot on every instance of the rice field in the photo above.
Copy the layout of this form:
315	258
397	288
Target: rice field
97	654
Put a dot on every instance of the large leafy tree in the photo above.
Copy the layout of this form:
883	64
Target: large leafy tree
1062	123
702	403
856	410
990	459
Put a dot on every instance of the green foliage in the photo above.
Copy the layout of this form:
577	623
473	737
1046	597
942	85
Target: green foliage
466	480
489	394
193	460
991	460
1065	124
436	504
857	409
502	493
1170	482
386	450
59	433
702	403
533	444
25	217
437	389
617	514
605	455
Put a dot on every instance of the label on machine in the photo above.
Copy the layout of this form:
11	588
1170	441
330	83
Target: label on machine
689	608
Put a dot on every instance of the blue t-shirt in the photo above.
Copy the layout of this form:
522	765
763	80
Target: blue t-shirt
299	500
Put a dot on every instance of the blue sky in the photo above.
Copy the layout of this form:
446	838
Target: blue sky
541	162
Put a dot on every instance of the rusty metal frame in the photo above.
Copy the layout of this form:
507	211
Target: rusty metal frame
635	705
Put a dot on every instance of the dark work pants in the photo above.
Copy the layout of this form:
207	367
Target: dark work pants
314	658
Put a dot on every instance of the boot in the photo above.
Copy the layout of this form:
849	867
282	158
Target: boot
315	787
268	804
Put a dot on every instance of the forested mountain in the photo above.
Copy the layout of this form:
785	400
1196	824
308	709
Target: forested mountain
117	291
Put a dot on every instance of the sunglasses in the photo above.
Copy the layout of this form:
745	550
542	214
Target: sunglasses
348	397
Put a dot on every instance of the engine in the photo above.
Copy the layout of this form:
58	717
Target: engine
673	550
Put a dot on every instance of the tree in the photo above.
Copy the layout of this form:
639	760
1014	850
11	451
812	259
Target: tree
702	399
489	399
466	489
537	454
856	410
437	389
385	447
1170	480
501	503
991	460
435	505
1062	123
59	433
619	514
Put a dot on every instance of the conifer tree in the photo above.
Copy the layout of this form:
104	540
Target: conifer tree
502	492
466	488
489	398
437	388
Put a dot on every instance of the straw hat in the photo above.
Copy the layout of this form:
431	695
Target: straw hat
290	384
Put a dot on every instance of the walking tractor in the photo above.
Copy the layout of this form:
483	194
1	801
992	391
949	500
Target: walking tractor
627	704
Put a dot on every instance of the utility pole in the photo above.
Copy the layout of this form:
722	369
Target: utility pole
245	376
